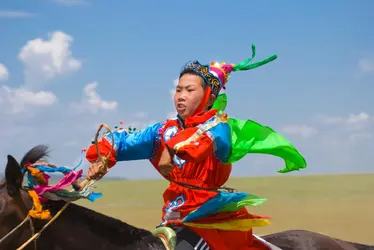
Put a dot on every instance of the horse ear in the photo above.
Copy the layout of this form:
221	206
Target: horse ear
13	176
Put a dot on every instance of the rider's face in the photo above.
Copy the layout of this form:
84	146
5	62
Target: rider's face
189	94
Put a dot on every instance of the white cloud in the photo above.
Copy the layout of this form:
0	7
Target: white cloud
46	59
95	100
172	90
172	114
361	117
342	142
366	65
17	100
335	144
4	73
138	125
14	131
92	101
352	122
350	119
139	120
66	132
16	14
304	131
359	137
141	115
42	60
72	2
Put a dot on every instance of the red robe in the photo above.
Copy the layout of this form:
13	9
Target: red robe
201	143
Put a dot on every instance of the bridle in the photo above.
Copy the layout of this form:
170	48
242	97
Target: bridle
25	220
32	229
35	236
29	219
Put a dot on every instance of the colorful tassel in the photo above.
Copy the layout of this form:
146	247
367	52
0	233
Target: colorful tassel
38	212
40	191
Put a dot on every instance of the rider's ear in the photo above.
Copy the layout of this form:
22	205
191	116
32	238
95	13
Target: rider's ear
13	176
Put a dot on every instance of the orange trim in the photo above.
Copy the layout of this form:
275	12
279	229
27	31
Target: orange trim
204	101
166	240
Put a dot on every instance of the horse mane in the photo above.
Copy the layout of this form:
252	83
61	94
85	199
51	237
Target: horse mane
35	154
76	212
80	213
87	215
97	228
107	227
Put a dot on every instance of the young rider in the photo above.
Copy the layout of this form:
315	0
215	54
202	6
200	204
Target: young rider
193	152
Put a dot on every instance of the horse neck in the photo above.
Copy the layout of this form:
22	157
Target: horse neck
78	225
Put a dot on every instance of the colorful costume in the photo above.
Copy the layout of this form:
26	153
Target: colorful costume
205	146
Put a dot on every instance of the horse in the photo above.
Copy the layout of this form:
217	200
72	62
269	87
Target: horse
80	228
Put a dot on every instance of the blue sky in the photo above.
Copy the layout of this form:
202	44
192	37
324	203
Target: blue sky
68	65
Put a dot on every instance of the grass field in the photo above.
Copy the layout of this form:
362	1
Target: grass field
337	205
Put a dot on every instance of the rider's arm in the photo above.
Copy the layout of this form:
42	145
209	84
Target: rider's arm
194	144
127	146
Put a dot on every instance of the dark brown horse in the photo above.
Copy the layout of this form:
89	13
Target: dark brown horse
81	228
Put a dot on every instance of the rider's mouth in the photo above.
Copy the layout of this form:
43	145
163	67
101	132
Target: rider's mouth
181	107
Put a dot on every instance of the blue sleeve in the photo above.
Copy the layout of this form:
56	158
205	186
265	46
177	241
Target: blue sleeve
136	146
221	136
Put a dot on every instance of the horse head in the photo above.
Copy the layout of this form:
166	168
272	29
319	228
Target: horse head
15	203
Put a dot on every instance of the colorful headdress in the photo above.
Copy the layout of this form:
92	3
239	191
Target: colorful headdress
216	74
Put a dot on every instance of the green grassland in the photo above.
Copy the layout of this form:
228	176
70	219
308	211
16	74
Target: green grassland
337	205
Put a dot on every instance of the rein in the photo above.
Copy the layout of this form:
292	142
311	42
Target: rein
80	185
27	219
103	168
34	236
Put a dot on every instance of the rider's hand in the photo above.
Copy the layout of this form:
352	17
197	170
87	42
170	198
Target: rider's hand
165	164
96	171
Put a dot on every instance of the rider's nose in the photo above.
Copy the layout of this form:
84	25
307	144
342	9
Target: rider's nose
182	97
